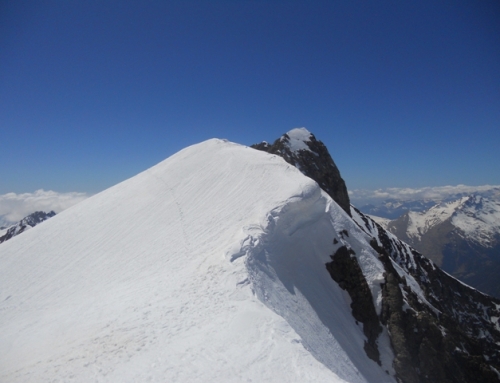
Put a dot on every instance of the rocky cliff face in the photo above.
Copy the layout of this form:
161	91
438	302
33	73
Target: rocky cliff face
26	223
441	330
301	149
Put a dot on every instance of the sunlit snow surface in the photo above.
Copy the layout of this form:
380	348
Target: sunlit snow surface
209	266
298	138
420	223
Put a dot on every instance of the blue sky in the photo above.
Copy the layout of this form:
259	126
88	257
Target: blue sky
403	93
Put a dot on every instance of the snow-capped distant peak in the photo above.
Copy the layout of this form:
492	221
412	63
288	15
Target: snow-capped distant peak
479	219
420	223
297	139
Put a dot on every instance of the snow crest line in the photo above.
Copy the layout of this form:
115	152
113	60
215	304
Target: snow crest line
285	257
296	212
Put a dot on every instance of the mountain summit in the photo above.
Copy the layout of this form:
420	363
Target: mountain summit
301	149
239	267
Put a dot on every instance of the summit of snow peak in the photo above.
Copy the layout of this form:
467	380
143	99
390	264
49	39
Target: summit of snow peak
222	278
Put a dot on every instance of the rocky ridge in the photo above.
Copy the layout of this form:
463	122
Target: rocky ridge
441	330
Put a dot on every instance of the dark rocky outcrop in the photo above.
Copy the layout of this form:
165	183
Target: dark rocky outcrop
315	163
440	329
447	334
344	269
27	222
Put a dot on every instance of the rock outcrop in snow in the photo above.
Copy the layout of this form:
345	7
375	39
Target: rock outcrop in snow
26	223
300	148
441	329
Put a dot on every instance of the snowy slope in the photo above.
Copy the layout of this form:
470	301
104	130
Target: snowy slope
380	220
419	223
478	219
222	278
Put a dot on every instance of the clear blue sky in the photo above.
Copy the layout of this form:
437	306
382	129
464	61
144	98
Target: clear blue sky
403	93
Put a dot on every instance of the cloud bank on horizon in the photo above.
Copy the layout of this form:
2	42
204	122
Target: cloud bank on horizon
364	196
14	207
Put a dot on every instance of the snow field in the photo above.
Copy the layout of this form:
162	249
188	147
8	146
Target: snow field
479	219
288	274
206	267
298	138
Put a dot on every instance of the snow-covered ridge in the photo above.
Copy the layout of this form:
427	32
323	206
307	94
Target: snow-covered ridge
420	223
301	149
238	268
402	266
222	278
380	220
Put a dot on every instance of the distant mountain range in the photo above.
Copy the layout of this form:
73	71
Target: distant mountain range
26	223
461	235
393	208
418	200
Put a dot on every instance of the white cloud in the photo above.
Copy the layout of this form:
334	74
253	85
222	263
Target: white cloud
409	194
14	207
